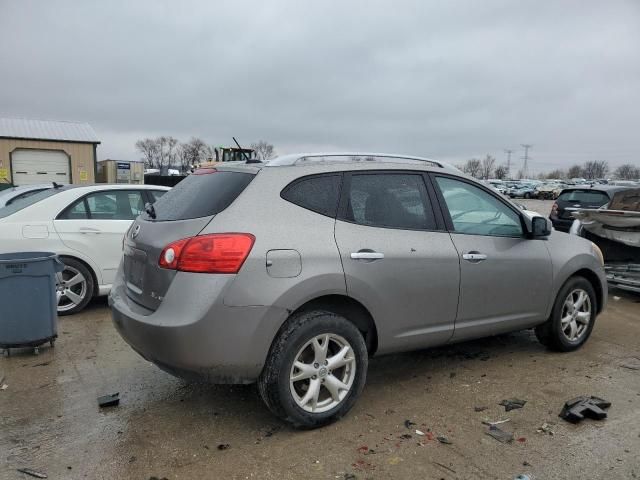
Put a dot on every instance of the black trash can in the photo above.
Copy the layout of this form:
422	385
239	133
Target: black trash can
28	304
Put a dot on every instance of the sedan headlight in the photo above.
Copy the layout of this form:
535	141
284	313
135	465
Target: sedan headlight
598	253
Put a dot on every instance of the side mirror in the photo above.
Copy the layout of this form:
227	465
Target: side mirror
540	227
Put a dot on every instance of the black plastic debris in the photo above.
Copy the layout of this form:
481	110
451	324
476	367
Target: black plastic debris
445	440
582	407
500	435
408	423
33	473
109	400
223	446
512	404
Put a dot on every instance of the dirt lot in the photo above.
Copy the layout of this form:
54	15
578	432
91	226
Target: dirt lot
163	427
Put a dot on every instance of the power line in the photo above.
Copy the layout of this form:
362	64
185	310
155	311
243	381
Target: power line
525	158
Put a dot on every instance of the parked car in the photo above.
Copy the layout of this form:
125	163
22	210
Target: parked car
294	272
85	225
579	197
10	195
499	185
549	191
523	190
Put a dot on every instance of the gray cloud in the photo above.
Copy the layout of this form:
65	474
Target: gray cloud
448	80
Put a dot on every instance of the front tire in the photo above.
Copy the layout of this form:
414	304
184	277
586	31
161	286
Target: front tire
316	369
74	288
572	318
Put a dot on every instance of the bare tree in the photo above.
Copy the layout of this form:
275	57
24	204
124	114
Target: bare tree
473	167
627	172
149	150
596	169
194	152
501	172
264	150
575	171
488	163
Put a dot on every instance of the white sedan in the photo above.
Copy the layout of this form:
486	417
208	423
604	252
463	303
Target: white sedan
84	225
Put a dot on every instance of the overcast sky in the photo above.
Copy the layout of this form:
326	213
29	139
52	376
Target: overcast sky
446	79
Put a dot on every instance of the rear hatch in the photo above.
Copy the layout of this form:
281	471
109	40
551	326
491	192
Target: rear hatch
181	213
580	198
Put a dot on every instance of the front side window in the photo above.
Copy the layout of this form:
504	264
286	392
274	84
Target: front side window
319	193
389	200
476	212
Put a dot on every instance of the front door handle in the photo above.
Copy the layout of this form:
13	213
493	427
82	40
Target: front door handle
367	255
474	257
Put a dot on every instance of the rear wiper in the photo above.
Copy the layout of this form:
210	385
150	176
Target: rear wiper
148	207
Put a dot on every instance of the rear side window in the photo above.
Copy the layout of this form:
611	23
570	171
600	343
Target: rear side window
584	196
319	193
25	202
389	200
201	194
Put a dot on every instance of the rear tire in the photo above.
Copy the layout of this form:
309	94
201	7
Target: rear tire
72	296
296	369
572	318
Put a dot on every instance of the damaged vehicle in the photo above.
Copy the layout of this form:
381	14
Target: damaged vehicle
615	228
292	273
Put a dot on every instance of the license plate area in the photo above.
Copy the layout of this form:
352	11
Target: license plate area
134	267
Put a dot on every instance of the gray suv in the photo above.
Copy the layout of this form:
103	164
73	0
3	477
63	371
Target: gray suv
292	273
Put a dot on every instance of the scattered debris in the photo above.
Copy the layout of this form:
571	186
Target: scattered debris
521	439
578	408
348	476
522	477
43	364
32	473
445	440
616	298
444	466
418	432
109	400
545	428
223	446
526	464
497	422
631	366
158	478
405	436
409	423
500	435
365	450
4	386
389	411
480	408
512	404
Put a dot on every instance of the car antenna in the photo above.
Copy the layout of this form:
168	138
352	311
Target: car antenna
249	160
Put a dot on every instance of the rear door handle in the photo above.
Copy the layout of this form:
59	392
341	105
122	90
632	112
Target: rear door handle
367	255
89	230
474	257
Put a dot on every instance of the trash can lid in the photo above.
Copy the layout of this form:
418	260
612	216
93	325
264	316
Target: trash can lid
26	257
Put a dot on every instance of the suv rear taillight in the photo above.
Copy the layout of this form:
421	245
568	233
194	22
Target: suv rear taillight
214	253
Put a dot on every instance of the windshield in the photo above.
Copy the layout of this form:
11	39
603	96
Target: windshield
25	202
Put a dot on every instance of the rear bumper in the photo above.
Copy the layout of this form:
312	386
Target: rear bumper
193	335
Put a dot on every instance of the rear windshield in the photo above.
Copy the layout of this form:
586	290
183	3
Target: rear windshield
201	195
25	202
584	196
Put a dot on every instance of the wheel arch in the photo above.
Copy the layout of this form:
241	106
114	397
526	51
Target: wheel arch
594	280
88	267
349	308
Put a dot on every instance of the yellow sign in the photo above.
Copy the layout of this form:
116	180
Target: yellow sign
4	173
84	176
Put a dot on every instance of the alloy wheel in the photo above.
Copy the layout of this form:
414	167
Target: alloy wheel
322	373
576	315
71	288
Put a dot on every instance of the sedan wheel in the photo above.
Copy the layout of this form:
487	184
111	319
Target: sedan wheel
576	315
74	287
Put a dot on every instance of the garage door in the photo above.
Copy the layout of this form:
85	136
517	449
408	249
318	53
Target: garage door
29	167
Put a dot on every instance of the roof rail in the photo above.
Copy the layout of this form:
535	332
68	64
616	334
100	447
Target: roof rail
347	157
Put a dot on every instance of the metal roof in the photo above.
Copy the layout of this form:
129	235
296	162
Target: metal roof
47	130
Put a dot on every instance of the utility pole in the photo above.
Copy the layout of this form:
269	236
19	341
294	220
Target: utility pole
508	152
525	170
